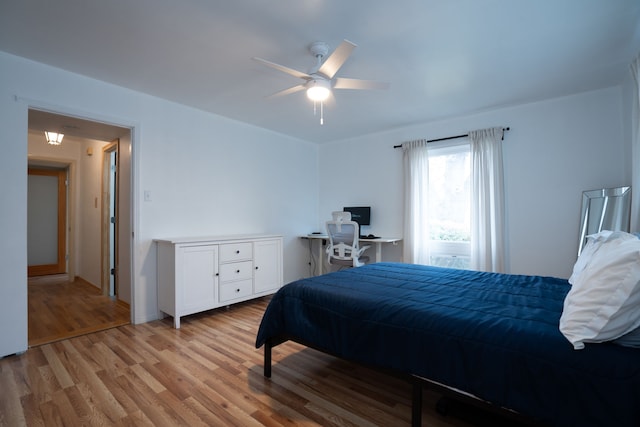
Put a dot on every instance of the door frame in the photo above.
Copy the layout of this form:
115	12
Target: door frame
105	239
132	184
61	265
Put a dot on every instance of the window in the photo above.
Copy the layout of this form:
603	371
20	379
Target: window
450	205
467	203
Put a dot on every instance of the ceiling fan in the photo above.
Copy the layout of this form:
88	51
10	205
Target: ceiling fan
321	79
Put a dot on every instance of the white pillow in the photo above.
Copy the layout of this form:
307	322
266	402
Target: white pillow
603	303
592	245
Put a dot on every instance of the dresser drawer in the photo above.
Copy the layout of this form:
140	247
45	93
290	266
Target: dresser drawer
234	290
231	252
236	271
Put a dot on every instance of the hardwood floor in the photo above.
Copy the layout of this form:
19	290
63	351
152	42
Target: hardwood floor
60	309
206	373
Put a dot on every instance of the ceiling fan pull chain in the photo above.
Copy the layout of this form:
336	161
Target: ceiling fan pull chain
321	113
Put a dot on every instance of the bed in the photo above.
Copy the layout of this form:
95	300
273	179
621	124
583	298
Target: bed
491	336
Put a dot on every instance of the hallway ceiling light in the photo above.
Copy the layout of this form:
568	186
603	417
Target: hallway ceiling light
53	138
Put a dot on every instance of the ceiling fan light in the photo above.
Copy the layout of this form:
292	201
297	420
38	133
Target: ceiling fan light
318	90
53	138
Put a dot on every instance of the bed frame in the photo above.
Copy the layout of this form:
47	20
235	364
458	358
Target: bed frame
417	383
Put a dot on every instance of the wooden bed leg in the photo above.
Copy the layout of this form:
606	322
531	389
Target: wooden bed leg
416	403
267	359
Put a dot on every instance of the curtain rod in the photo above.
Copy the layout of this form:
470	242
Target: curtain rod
450	137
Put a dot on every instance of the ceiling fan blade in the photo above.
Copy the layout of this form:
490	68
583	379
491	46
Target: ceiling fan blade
343	83
290	71
288	91
332	64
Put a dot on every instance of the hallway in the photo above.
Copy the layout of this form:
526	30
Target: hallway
60	309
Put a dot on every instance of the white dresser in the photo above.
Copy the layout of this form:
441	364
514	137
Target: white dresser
200	273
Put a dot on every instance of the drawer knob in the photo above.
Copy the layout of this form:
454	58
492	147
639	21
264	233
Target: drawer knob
238	251
237	290
217	274
256	267
237	271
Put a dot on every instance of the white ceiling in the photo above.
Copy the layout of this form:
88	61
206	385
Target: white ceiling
443	58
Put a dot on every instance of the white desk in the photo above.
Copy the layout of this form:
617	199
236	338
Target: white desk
378	245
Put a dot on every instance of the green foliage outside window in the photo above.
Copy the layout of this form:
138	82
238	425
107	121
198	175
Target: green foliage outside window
449	232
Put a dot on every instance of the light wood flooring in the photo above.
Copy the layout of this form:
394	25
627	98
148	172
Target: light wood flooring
207	373
60	309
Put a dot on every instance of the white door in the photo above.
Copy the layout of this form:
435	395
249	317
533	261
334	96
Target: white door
199	278
46	221
267	265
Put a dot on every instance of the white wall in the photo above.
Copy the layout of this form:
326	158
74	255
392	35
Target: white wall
632	147
207	175
555	150
13	227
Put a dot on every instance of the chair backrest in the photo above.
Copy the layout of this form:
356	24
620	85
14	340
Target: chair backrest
341	216
343	235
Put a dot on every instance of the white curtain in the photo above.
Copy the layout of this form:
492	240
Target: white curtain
487	200
416	193
635	147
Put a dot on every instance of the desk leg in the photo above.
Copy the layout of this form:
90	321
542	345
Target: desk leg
378	251
320	257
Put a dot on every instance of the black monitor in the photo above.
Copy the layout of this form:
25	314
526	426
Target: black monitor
359	214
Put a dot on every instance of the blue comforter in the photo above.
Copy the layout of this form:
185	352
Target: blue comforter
492	335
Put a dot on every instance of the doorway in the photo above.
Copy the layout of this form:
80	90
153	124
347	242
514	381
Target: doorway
98	216
46	221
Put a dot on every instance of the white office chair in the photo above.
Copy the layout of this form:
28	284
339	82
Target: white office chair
344	248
